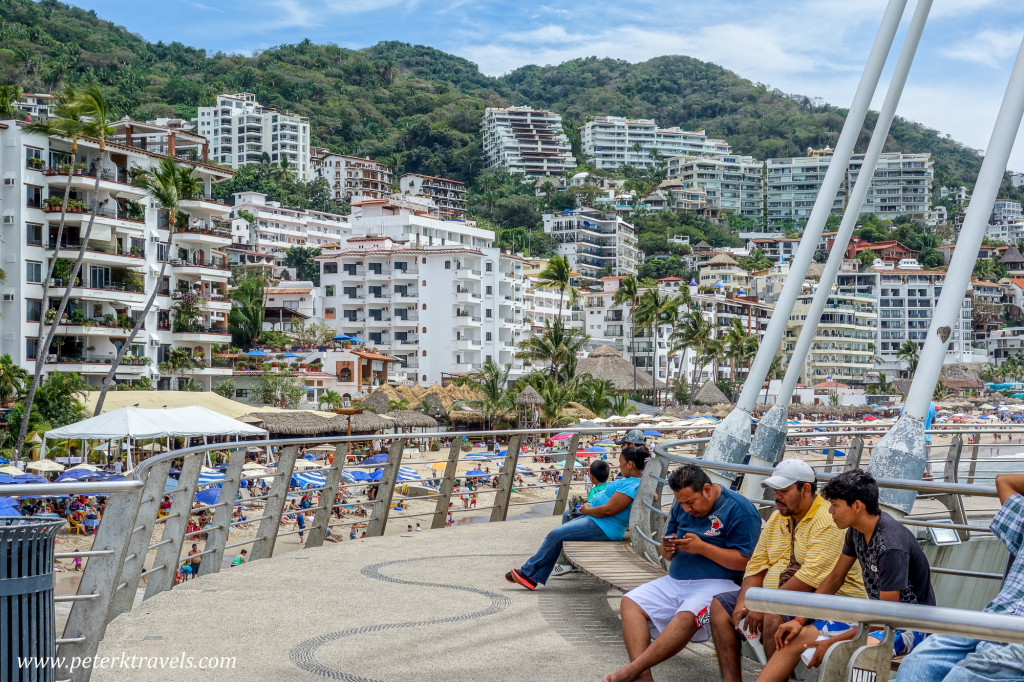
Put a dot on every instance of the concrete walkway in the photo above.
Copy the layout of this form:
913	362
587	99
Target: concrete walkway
432	605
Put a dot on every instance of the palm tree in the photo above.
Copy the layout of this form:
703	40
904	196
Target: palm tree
332	399
96	118
558	275
740	349
557	345
629	292
246	317
67	123
597	396
394	405
653	310
556	397
491	382
178	360
167	186
9	96
776	370
909	353
12	379
695	332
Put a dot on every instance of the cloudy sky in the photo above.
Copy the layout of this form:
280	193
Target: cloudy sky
810	47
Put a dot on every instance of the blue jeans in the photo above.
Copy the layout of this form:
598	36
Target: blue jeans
947	658
539	566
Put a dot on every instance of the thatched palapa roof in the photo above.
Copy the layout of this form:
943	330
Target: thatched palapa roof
576	411
529	397
379	399
294	423
709	394
607	364
411	419
367	422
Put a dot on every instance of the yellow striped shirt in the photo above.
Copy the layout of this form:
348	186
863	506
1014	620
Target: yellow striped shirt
817	548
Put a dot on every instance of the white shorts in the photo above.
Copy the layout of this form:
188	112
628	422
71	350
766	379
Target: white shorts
663	598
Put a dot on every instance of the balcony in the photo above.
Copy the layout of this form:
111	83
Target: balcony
215	269
99	255
204	208
83	181
201	334
383	321
112	292
95	365
114	217
383	273
201	232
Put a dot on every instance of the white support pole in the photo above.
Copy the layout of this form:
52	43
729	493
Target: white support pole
731	440
901	452
769	440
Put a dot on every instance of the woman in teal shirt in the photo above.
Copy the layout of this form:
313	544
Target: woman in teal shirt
605	518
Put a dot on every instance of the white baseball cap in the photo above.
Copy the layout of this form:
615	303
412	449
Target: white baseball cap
788	472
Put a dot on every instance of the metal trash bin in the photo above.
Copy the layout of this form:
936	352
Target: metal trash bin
27	628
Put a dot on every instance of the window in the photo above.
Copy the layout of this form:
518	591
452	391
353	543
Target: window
330	268
488	313
33	234
447	265
31	348
345	374
34	158
329	290
33	310
489	267
33	196
488	336
489	290
328	313
34	271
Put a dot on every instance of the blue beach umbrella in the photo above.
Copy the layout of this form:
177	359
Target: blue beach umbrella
355	339
256	353
3	462
289	355
9	507
359	476
347	476
342	337
208	496
651	432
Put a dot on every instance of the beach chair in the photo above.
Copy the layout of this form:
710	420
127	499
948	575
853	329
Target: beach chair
75	527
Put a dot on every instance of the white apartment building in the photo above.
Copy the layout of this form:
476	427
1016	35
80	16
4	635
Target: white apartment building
438	310
791	187
845	338
732	184
1017	179
241	131
279	228
900	186
597	243
121	266
614	141
37	106
1006	212
906	297
448	195
1008	233
526	140
354	178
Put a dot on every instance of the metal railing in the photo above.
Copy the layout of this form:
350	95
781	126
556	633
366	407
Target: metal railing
125	555
125	552
853	658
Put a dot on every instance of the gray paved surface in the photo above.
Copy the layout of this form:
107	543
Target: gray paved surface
432	605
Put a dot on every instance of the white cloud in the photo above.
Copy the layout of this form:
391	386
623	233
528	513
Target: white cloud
991	48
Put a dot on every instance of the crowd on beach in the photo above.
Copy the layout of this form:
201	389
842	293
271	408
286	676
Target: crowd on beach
835	540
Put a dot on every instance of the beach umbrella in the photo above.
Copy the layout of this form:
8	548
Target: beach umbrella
87	467
379	458
256	353
355	339
7	480
652	432
407	474
308	479
290	355
837	453
3	462
301	464
45	465
11	470
9	507
347	476
870	418
474	456
28	478
342	337
252	465
475	473
594	448
1002	410
208	496
520	469
561	436
207	476
360	476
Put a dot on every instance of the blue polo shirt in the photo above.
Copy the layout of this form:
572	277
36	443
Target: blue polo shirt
615	526
732	523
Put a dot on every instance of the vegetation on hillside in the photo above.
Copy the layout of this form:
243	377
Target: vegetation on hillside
417	108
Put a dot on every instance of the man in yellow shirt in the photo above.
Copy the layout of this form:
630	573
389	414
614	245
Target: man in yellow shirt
798	547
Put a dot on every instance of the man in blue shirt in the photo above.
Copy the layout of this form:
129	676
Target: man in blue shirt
960	659
711	533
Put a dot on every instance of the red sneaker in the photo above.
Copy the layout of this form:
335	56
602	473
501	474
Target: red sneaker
528	583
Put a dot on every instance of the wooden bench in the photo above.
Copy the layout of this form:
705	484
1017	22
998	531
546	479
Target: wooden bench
613	563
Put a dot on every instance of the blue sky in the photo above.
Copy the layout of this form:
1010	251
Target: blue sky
810	47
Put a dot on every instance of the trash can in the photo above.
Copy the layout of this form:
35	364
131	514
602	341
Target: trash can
27	628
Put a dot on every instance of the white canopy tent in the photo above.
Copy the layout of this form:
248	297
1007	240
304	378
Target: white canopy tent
134	424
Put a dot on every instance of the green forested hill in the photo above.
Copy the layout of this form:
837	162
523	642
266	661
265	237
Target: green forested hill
417	107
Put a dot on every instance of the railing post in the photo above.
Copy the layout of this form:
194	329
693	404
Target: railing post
386	490
444	494
568	469
873	658
138	543
175	527
835	664
974	462
218	535
318	529
88	618
853	454
951	473
507	479
266	536
831	452
640	516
